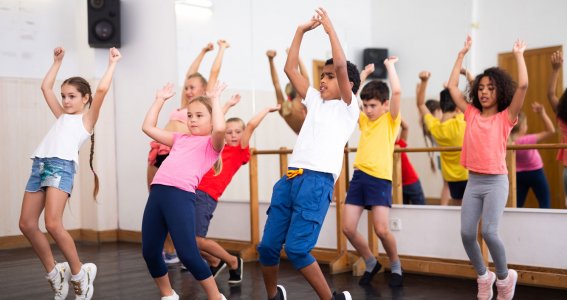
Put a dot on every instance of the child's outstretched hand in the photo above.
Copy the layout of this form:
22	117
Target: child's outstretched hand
467	46
391	60
537	107
217	90
271	54
58	54
233	100
519	47
275	108
208	47
369	69
424	75
324	19
223	44
165	92
312	24
556	60
114	55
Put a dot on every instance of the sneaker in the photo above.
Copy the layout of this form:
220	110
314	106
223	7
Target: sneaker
396	280
236	275
170	258
216	270
84	288
223	297
507	286
485	286
367	276
281	294
342	296
60	282
171	297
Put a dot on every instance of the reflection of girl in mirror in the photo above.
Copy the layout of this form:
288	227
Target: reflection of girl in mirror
559	106
195	85
529	166
496	103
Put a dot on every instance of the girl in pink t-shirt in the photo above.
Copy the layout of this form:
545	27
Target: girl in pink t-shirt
559	106
496	103
171	204
529	166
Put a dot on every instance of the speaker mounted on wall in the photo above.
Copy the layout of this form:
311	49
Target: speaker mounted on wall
376	56
104	23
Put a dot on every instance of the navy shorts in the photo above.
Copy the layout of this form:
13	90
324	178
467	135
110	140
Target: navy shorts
413	194
457	189
368	191
205	205
51	172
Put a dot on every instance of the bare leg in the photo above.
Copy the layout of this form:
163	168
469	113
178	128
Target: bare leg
381	215
209	286
351	216
271	280
211	260
214	249
164	285
317	281
445	194
32	206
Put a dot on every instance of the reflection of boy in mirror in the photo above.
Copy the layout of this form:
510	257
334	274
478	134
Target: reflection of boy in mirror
292	110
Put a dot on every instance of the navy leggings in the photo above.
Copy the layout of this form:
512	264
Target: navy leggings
537	182
171	209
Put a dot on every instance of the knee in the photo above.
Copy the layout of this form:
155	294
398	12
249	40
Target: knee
28	226
349	231
269	254
468	235
382	231
489	232
201	241
53	226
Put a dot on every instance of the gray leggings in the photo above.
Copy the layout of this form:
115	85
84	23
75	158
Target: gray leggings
485	197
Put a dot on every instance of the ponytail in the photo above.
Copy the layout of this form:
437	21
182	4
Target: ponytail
218	166
96	185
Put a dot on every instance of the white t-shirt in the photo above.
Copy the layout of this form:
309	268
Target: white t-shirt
64	139
324	134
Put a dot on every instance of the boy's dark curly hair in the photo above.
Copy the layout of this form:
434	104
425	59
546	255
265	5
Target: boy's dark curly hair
375	89
505	88
562	107
353	74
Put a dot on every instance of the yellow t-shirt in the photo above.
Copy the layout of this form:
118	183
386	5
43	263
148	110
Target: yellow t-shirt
449	134
375	154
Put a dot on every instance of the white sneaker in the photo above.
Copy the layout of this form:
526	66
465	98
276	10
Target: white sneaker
60	282
171	297
84	288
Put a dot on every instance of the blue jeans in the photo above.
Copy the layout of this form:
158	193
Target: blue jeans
537	182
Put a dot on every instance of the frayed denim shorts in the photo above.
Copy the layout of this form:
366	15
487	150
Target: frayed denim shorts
51	172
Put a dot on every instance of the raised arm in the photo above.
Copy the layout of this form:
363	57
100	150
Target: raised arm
149	126
420	94
215	69
520	94
194	67
404	131
368	69
49	81
339	58
292	62
91	116
275	79
219	125
253	124
303	70
453	84
556	63
549	127
230	103
394	86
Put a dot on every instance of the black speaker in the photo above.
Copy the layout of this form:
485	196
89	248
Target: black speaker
376	56
104	23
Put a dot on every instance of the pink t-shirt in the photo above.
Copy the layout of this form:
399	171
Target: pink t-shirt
484	145
527	160
189	159
562	153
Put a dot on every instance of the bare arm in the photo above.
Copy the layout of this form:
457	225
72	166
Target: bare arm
468	75
275	79
453	84
149	126
91	116
303	71
394	86
194	67
253	124
549	127
520	94
404	131
292	62
49	81
556	63
215	69
420	97
230	103
217	117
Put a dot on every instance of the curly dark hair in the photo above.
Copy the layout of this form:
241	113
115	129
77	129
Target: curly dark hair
562	107
353	74
505	88
375	89
446	101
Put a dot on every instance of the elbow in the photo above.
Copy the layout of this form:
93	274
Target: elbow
288	69
523	86
396	92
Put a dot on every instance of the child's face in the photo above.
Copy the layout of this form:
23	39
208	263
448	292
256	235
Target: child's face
329	87
374	109
194	88
72	100
233	133
487	93
199	119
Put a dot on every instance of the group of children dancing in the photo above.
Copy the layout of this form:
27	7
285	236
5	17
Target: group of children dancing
193	159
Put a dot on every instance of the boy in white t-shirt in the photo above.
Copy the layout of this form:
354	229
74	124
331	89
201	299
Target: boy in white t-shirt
301	198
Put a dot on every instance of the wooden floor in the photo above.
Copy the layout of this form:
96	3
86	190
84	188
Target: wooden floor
122	274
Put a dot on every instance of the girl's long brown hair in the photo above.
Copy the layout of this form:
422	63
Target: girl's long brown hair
206	101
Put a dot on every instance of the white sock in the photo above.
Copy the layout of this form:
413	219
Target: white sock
484	276
79	276
53	273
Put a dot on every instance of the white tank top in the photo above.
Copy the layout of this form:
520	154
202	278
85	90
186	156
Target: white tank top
64	139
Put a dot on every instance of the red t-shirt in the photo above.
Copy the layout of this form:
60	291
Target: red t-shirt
409	175
232	159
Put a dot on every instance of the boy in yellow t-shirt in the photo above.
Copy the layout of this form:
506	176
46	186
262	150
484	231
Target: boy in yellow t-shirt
371	184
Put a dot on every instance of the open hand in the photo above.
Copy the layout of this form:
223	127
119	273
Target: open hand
467	46
369	69
324	19
519	47
165	92
556	60
310	25
234	99
217	90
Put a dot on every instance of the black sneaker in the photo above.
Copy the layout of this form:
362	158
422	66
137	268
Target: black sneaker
216	270
281	294
396	280
342	296
236	275
367	276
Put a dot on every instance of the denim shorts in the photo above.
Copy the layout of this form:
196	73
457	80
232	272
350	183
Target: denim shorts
365	190
205	205
53	172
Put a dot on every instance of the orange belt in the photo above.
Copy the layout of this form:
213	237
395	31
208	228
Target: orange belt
292	173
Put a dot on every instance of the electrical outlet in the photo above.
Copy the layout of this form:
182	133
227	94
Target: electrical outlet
395	224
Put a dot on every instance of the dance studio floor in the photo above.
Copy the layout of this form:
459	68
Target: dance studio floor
122	274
